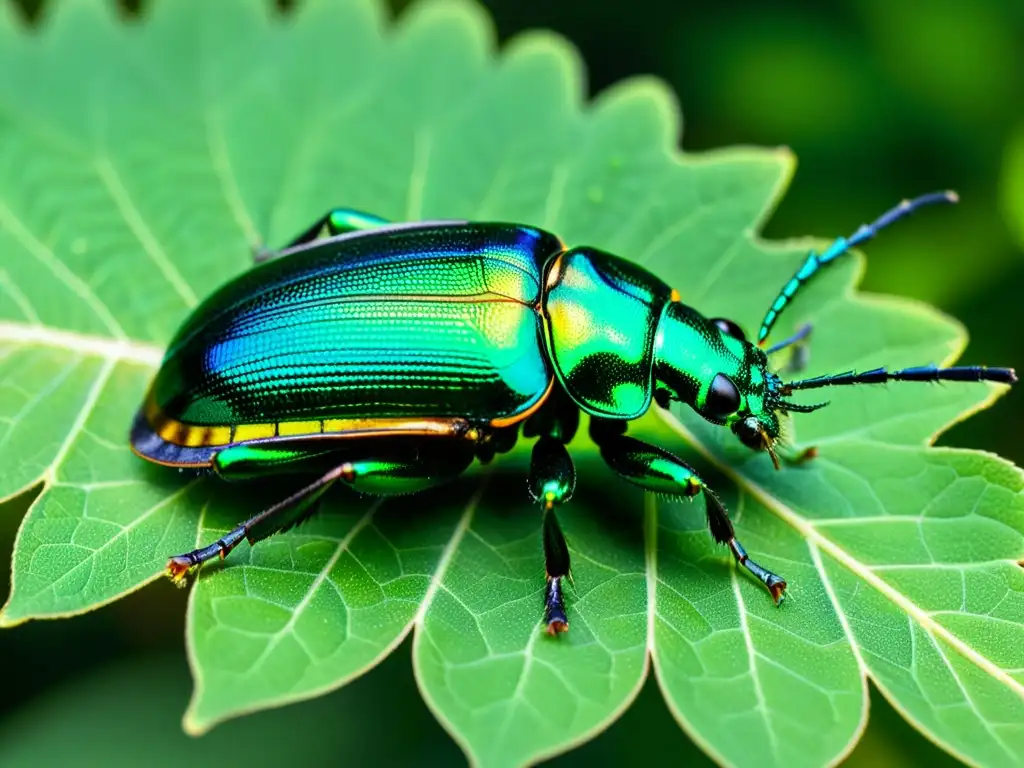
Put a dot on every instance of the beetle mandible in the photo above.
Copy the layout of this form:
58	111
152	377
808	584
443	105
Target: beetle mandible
389	356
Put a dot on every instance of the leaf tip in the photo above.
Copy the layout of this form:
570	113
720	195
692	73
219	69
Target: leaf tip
785	153
7	621
192	725
562	55
470	18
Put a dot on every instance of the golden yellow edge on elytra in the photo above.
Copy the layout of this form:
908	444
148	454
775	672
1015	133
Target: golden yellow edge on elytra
193	436
196	436
219	435
245	432
289	428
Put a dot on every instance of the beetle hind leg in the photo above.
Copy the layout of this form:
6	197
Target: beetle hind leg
400	469
552	481
283	515
556	567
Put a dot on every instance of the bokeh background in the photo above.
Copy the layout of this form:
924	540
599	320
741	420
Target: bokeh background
879	99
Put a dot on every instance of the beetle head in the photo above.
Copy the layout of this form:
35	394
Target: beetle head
710	366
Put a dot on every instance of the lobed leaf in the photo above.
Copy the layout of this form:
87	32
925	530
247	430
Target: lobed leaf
139	164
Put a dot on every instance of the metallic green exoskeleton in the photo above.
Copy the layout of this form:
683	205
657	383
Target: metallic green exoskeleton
389	357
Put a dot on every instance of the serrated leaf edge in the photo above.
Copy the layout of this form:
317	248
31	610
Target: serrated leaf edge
112	351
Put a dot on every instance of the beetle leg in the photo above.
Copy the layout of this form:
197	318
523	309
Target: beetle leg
337	221
552	481
405	469
655	469
282	515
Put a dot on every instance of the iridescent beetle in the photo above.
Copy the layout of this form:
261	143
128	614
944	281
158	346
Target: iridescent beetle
388	357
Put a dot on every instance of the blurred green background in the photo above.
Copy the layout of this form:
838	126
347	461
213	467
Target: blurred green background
879	99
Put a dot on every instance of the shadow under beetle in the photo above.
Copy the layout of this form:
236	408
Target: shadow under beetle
388	357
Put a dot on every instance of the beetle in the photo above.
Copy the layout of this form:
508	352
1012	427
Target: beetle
389	357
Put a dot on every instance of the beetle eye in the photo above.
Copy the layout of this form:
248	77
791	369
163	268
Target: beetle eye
729	327
723	398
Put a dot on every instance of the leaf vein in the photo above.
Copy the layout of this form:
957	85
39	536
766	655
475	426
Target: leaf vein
274	640
81	344
112	181
752	655
449	551
422	146
969	701
60	270
20	300
228	181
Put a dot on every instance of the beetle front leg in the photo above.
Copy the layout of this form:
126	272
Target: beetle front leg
552	482
655	469
337	221
405	469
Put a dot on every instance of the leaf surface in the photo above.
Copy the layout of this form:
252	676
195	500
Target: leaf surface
136	180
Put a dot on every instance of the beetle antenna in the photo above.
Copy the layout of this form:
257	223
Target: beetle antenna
920	373
815	261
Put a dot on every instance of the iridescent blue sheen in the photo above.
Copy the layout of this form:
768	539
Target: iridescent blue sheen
417	322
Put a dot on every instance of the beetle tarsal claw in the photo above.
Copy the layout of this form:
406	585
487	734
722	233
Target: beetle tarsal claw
557	627
777	587
177	568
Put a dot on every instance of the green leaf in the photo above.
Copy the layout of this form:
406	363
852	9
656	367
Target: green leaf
140	163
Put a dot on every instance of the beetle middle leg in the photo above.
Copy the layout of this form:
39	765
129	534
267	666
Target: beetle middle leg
552	482
337	221
655	469
386	468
